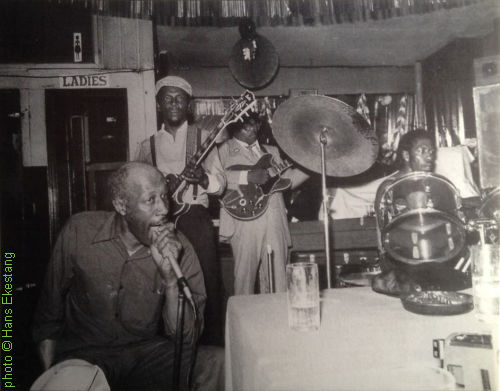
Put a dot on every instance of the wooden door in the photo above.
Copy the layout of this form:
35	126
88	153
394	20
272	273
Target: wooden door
87	130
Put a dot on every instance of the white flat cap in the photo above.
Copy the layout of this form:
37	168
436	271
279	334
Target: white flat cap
72	375
174	81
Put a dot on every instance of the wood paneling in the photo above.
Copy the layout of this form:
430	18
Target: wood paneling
127	43
216	82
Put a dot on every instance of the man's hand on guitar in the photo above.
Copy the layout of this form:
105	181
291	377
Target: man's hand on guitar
196	175
258	176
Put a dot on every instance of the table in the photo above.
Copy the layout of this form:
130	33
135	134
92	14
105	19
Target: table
361	332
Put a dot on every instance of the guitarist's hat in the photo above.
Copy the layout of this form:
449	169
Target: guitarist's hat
174	81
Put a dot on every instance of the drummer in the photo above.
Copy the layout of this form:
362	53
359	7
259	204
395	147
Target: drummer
416	152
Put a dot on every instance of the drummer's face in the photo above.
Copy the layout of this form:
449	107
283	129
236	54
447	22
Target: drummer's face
422	155
248	133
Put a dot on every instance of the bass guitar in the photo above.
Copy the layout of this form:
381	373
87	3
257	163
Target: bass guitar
178	183
251	201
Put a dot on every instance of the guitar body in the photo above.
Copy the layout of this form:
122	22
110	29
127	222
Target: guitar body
176	189
177	185
251	201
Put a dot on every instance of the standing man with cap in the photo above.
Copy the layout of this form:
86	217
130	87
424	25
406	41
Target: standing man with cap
170	150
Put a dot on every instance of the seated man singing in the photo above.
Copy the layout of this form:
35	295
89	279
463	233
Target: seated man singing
110	292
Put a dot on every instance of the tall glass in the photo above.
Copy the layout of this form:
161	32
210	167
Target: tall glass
303	296
486	281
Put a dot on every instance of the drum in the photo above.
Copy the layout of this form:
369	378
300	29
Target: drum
419	219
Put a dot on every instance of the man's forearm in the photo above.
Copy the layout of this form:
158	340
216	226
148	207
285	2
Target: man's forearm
46	351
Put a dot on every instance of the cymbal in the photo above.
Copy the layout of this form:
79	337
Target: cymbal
351	146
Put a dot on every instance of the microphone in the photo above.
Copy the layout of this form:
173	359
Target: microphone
181	280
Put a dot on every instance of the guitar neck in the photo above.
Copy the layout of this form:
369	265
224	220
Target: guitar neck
283	168
280	168
236	111
206	146
265	161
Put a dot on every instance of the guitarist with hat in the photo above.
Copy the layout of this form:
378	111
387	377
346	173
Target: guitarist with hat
255	222
170	150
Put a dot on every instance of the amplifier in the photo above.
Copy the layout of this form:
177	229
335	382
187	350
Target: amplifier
342	262
353	245
345	234
364	258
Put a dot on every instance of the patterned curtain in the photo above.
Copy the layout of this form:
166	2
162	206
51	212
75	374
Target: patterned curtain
264	12
445	110
391	117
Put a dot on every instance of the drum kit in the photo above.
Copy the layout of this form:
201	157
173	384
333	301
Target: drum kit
421	218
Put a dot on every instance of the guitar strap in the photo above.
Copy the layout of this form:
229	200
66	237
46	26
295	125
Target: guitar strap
153	150
193	140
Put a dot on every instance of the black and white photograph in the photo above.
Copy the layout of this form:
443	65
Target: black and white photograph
250	195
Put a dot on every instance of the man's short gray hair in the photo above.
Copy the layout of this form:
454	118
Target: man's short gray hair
118	181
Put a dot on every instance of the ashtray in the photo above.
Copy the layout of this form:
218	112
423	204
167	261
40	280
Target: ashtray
438	302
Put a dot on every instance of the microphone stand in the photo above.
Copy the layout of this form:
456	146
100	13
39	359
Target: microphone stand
323	140
179	335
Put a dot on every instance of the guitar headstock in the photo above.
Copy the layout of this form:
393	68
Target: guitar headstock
240	108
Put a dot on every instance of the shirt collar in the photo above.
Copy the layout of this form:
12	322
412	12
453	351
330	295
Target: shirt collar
181	130
246	145
109	230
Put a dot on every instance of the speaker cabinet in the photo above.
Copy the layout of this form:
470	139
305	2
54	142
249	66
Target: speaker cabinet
487	110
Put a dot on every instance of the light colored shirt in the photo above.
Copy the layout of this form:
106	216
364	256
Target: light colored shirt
171	159
454	164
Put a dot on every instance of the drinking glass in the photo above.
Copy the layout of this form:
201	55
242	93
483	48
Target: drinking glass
303	296
486	281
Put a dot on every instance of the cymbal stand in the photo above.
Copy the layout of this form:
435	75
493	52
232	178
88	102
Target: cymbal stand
323	141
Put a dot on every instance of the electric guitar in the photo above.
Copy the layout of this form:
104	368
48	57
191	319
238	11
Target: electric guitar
178	183
251	201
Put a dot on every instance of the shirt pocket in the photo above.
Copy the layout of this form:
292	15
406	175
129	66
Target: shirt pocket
140	310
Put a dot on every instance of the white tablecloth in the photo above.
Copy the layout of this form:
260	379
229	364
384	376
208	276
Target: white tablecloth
361	332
